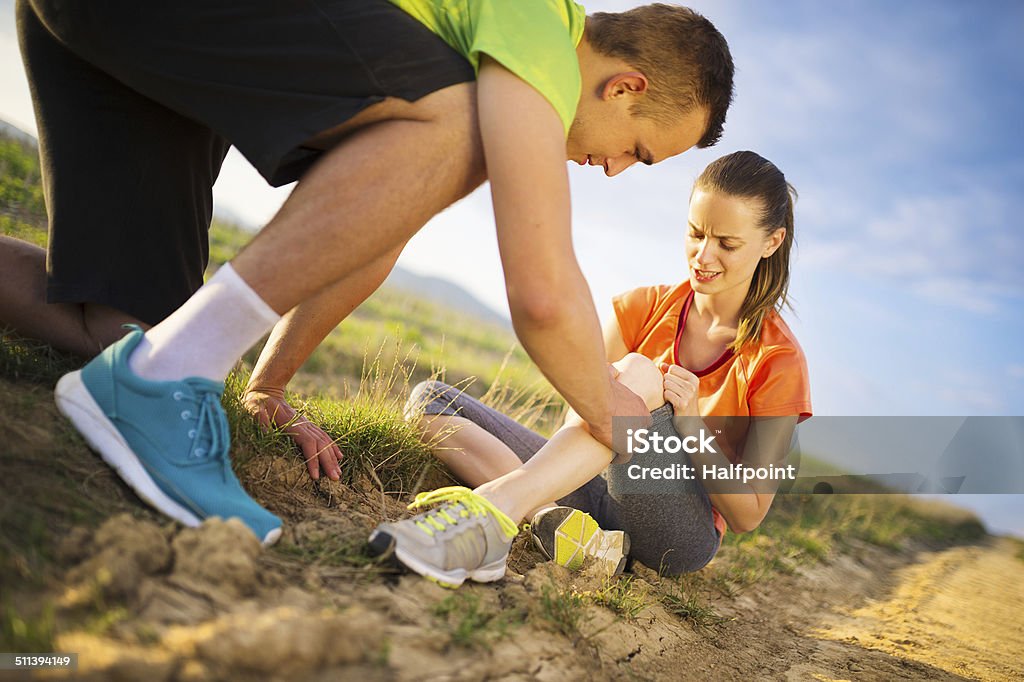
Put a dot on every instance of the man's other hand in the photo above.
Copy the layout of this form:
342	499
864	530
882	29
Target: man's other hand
625	403
271	410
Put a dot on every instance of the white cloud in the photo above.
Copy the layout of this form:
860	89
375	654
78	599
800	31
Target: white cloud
956	248
971	401
984	298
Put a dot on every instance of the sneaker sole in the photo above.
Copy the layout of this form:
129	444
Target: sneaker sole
579	537
76	403
450	579
612	549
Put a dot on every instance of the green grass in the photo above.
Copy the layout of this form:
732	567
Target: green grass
26	634
33	362
427	340
1020	548
369	428
624	596
689	606
561	610
807	529
19	229
472	624
21	191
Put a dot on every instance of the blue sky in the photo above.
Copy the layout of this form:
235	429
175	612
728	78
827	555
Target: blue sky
900	124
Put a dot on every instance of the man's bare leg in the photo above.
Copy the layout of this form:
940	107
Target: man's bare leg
361	201
368	195
80	328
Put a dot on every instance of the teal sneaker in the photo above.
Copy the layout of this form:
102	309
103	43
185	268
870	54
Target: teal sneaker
168	440
466	537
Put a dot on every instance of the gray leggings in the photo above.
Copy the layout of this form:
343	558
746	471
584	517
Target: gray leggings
672	533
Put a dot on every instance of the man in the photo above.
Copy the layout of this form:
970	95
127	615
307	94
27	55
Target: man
321	91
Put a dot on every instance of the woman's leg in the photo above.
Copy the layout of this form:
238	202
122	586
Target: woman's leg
572	457
480	444
469	536
475	441
671	532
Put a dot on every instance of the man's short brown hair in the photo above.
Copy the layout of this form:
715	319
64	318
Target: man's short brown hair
684	57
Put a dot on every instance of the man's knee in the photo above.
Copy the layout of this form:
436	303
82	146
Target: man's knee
640	375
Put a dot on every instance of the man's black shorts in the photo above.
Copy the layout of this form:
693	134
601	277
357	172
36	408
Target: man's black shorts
138	102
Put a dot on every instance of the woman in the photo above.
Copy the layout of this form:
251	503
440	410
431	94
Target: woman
711	355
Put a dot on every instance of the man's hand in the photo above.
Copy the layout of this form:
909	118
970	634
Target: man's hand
681	390
271	410
625	403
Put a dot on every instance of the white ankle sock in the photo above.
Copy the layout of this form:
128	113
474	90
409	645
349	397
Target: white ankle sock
206	335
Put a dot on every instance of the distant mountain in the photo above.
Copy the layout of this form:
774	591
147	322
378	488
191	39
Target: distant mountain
446	293
435	289
16	133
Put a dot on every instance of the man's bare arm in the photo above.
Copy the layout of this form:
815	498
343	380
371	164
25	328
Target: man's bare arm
291	343
615	346
551	305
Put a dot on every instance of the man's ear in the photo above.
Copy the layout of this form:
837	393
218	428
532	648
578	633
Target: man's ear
623	84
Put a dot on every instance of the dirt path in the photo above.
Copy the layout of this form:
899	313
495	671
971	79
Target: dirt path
960	610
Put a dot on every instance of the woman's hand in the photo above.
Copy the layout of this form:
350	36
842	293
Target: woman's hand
271	410
681	390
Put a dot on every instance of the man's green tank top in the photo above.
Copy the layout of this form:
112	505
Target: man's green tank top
534	39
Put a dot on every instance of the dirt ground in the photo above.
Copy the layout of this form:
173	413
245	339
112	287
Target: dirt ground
208	603
143	599
961	610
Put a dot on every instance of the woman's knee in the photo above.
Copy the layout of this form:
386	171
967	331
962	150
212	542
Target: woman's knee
640	375
430	398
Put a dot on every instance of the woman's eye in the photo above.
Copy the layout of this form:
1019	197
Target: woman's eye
728	247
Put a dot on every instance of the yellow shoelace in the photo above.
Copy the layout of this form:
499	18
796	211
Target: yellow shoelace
471	504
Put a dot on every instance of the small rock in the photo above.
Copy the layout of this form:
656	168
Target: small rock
220	554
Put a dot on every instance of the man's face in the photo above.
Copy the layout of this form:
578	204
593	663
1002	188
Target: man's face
606	134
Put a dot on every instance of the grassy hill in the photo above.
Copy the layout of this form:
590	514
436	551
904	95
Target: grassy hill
86	567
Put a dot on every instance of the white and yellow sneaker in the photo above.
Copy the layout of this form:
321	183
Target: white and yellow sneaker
466	537
569	536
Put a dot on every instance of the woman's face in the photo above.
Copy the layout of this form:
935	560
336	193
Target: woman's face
724	243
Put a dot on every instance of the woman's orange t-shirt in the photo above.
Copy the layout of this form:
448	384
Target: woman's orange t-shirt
765	379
